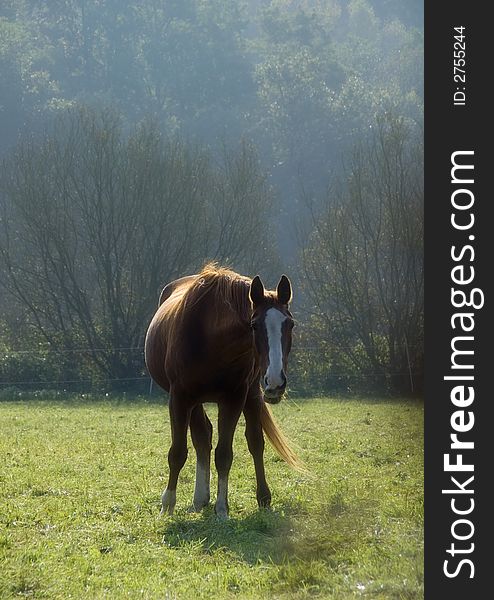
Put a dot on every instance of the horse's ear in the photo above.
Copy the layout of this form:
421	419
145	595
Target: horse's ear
284	290
256	292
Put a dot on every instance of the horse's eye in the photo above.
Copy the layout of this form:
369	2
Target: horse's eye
253	325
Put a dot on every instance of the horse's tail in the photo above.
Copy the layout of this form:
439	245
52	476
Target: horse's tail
278	440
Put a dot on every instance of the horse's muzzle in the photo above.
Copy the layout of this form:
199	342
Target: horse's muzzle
273	399
275	395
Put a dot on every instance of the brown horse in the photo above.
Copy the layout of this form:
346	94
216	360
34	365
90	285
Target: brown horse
220	337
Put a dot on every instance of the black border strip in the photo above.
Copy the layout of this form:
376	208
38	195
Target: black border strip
450	128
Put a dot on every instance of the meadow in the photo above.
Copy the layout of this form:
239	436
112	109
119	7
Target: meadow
80	487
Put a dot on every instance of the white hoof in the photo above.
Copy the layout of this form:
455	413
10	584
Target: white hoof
199	503
202	488
168	501
221	511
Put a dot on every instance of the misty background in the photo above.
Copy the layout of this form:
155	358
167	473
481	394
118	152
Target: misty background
141	139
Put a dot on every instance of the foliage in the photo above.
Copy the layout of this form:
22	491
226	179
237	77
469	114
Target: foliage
179	62
79	506
325	70
300	78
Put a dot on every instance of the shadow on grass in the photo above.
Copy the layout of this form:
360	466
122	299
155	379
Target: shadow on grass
291	535
257	536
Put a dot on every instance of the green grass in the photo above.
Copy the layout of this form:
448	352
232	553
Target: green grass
80	488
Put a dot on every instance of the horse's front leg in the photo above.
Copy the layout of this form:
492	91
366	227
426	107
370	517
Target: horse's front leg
255	443
228	415
177	455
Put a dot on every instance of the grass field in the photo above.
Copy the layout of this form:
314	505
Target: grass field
80	487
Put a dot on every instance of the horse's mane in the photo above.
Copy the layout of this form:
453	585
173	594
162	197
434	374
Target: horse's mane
225	290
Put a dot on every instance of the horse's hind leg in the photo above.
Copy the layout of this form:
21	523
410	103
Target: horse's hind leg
255	442
227	421
201	431
177	455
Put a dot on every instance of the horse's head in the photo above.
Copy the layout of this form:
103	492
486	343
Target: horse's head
272	326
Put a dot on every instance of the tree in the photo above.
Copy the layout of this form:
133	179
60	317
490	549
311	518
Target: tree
363	264
95	223
26	81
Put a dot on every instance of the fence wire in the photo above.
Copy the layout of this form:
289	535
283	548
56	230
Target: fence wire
320	379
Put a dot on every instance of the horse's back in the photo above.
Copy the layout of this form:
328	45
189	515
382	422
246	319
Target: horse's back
169	288
156	343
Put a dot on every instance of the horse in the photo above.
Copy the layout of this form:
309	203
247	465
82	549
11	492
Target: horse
218	336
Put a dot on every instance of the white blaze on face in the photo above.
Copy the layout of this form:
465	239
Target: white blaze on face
274	320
